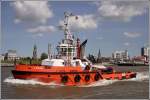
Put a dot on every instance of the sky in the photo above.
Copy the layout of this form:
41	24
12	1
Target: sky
108	25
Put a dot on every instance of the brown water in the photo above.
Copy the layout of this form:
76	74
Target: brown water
137	88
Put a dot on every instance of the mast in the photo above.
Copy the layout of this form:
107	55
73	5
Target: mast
68	35
78	48
67	48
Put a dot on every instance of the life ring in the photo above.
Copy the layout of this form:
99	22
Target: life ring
77	78
97	77
87	78
64	79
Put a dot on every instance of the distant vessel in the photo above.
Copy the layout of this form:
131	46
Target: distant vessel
133	64
70	67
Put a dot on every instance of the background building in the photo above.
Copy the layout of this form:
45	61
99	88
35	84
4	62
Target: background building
49	51
139	59
11	55
99	58
120	55
145	51
2	56
34	52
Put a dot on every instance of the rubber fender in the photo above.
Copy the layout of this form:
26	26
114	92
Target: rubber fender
87	78
77	78
64	79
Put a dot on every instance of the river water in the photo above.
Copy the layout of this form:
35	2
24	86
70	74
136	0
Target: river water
136	88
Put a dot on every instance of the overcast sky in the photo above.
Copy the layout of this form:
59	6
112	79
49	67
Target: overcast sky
108	26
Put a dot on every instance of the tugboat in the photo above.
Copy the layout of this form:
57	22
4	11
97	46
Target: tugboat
69	67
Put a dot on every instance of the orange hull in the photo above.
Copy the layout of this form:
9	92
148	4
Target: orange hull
65	75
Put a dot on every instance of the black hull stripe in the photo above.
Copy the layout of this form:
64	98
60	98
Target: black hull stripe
29	72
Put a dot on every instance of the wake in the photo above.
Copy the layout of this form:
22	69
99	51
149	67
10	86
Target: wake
32	82
141	76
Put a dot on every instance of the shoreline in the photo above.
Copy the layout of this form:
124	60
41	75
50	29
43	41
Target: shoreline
6	65
12	65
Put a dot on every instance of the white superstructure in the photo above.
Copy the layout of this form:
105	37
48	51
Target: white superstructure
67	50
